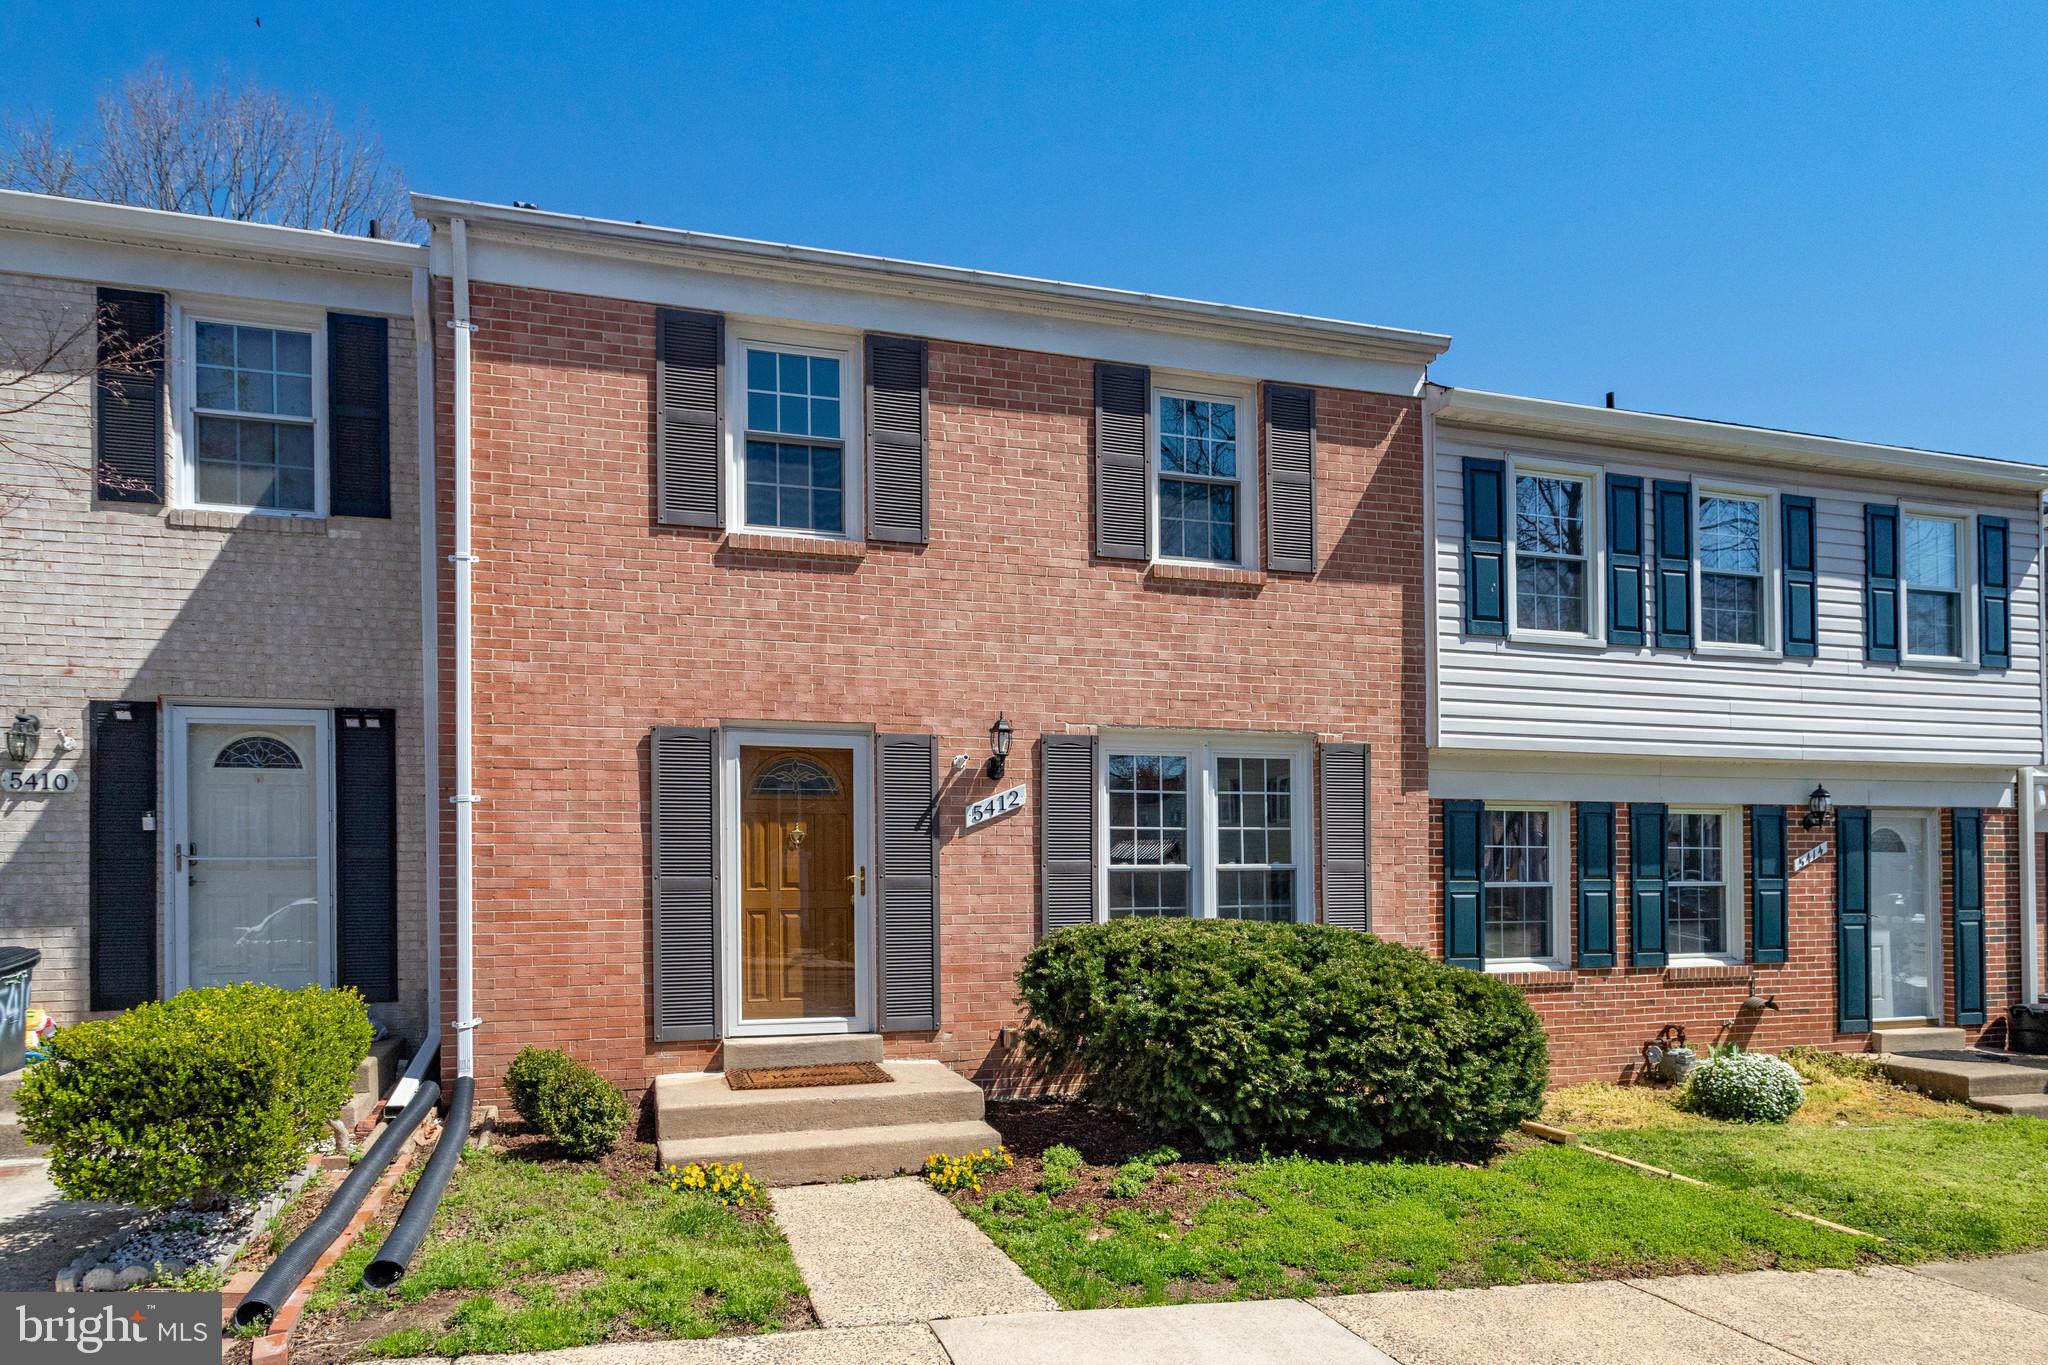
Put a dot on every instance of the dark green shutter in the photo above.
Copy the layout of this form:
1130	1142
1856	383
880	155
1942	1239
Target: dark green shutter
128	400
1066	814
1646	885
907	820
1486	608
684	766
899	480
358	416
366	851
1674	565
1344	807
1968	873
122	892
1994	592
1802	628
689	353
1880	583
1123	400
1771	884
1290	479
1852	920
1464	886
1596	883
1624	562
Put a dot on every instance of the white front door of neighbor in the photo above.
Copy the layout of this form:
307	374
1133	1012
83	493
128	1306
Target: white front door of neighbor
251	873
1905	956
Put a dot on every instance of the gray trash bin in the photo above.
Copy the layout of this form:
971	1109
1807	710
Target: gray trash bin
16	966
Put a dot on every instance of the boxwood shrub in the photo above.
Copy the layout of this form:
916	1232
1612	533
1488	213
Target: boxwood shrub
580	1110
1284	1036
210	1094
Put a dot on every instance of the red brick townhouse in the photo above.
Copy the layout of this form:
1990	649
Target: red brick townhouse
1722	716
837	625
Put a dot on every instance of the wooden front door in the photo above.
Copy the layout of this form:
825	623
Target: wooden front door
798	883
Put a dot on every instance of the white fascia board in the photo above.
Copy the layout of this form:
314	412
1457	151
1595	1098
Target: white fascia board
83	218
1510	415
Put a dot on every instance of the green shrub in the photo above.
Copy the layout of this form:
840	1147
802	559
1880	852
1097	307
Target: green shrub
1058	1166
578	1109
211	1094
1750	1087
1246	1035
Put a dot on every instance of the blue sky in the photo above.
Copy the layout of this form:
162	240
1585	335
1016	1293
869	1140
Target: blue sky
1829	218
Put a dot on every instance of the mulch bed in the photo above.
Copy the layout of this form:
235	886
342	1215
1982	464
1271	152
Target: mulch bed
1104	1141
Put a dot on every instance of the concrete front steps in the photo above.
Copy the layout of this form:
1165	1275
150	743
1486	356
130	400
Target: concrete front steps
819	1133
1938	1061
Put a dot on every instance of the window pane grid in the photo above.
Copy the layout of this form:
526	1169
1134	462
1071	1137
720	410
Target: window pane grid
1519	893
1550	553
252	417
796	485
1254	838
1198	479
1731	541
1148	835
1695	918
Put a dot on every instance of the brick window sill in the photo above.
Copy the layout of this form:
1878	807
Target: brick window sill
1538	978
197	519
1714	974
798	547
1216	574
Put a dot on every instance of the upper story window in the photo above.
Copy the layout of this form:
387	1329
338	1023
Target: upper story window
252	419
1203	497
1702	882
1734	607
1553	552
794	460
1933	578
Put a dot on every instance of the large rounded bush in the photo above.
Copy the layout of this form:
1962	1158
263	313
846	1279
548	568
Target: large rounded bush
1752	1087
1244	1035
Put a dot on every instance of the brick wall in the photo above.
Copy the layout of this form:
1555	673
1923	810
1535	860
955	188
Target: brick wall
112	601
593	625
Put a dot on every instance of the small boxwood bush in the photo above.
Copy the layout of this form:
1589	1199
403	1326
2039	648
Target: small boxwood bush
1749	1087
211	1094
578	1109
1246	1035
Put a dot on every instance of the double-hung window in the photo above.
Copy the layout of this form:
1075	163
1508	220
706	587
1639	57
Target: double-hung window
1702	883
1554	578
1733	538
1206	448
1205	829
1523	860
1933	565
252	421
795	473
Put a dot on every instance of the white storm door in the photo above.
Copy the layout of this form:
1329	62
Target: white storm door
251	854
1905	956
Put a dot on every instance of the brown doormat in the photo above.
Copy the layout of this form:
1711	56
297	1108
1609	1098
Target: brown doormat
793	1077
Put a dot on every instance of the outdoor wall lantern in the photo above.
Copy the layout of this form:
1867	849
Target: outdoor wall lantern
23	737
1818	807
998	745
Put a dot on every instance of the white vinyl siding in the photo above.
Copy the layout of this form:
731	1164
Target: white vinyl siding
1538	696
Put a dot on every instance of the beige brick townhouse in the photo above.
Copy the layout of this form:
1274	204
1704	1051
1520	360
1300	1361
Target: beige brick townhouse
211	625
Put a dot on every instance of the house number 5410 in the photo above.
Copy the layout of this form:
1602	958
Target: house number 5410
45	781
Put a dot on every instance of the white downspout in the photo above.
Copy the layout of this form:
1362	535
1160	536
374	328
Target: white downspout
464	798
430	678
2030	877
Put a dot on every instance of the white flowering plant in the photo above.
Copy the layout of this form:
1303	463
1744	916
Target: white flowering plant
1751	1087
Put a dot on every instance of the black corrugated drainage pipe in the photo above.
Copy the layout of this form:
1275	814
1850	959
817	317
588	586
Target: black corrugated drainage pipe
387	1267
276	1284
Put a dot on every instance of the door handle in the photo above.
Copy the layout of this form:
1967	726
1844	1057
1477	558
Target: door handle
860	880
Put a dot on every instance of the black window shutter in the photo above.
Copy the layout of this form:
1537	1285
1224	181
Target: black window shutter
1345	797
1596	883
1646	885
1968	875
1123	525
128	401
1464	886
123	853
1290	479
685	766
1802	629
1066	883
898	421
1994	592
1486	607
366	850
908	778
1674	565
1624	562
1880	584
689	352
358	416
1852	919
1770	884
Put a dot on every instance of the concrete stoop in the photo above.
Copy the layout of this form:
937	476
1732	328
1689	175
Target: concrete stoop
813	1134
1978	1077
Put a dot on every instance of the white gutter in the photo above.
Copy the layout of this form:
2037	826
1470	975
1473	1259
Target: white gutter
430	685
464	798
2030	928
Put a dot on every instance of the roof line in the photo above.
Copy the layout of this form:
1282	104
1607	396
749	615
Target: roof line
89	219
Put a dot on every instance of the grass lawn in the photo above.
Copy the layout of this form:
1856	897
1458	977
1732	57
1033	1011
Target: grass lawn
531	1254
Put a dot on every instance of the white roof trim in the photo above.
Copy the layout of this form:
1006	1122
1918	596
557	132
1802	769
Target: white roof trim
1511	415
87	220
982	288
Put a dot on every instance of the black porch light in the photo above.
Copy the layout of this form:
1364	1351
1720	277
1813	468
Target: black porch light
1819	806
23	737
998	745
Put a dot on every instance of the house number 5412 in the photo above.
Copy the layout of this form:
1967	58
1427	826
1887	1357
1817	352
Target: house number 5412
1001	803
45	781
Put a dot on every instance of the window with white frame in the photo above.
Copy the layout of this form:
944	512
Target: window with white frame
252	420
1553	552
1205	829
1734	606
1522	853
1701	884
793	465
1202	496
1932	568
